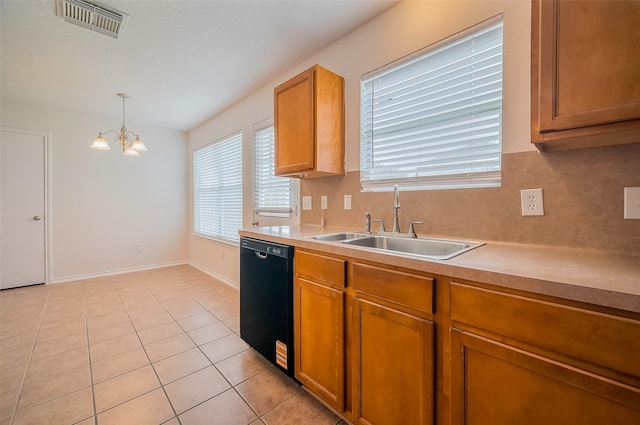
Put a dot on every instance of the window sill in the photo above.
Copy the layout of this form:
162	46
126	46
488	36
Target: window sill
220	240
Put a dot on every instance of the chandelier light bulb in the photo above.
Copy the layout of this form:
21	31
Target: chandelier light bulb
100	143
131	152
138	145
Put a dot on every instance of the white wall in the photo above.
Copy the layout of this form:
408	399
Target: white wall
403	29
102	203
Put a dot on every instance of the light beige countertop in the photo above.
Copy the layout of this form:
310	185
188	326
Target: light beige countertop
593	277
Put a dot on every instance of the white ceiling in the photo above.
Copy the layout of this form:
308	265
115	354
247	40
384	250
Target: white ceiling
181	61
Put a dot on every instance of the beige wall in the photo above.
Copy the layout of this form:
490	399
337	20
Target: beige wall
583	202
102	203
403	29
413	25
583	189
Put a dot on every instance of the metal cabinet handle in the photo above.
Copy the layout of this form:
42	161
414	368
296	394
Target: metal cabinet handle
37	217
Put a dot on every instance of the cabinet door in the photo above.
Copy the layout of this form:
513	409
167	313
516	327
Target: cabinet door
493	383
294	124
393	367
590	63
319	340
585	67
588	338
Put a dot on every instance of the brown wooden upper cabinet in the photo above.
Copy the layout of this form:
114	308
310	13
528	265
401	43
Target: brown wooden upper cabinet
309	125
585	72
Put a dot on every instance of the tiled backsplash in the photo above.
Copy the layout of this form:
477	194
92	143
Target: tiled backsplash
583	202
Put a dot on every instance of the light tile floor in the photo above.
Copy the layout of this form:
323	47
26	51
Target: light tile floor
148	348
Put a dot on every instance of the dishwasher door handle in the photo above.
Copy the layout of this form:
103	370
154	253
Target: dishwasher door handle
261	255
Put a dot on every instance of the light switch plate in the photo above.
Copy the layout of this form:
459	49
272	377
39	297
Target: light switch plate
531	202
306	202
632	203
347	202
323	202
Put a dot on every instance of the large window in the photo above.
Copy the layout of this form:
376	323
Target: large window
218	188
433	119
272	196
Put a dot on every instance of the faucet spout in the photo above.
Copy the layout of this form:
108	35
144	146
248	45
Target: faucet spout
396	207
367	222
396	196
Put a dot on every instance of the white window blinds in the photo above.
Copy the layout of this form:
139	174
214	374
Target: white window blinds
272	195
218	188
433	120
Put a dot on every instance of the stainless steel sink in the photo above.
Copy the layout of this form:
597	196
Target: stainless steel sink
438	249
342	236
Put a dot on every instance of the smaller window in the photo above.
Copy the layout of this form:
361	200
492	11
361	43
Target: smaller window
217	170
433	120
272	195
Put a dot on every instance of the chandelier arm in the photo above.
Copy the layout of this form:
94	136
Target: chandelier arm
111	131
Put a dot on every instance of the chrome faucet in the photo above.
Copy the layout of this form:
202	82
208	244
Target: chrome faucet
396	207
396	224
367	222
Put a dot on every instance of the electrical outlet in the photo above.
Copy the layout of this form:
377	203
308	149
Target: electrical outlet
323	202
138	248
632	203
347	202
306	202
531	202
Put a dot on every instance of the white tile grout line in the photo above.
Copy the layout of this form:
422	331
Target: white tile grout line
176	416
231	386
86	325
33	348
162	303
164	391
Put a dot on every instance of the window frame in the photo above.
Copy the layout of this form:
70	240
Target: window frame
271	215
420	177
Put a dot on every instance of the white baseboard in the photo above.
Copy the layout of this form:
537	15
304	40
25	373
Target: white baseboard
214	275
118	271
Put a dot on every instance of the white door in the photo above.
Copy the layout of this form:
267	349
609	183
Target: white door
22	208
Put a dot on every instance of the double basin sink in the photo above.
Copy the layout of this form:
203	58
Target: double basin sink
432	248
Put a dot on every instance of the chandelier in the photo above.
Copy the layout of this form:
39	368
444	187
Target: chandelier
129	146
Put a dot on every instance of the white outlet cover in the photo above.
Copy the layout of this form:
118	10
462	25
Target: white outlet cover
306	203
632	203
531	202
323	202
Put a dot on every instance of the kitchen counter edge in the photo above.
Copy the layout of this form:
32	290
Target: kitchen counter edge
598	278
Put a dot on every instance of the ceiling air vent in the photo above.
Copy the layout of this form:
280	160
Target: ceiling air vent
93	16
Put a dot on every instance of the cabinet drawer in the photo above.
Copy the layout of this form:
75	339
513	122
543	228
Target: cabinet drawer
402	288
598	338
320	268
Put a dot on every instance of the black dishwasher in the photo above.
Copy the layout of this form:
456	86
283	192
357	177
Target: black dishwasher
266	300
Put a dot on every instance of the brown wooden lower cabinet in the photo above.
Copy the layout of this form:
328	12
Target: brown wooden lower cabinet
365	338
494	383
319	340
392	366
